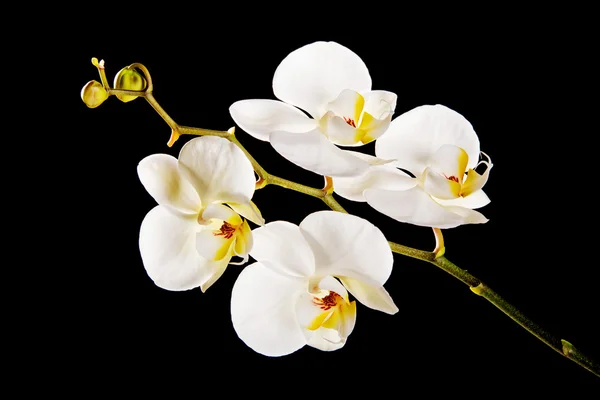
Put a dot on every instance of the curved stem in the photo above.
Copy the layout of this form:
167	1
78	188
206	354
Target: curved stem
440	248
437	258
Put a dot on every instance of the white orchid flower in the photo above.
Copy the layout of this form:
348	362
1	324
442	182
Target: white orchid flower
332	84
296	294
439	147
189	238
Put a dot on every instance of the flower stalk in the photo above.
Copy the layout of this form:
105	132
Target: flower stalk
436	257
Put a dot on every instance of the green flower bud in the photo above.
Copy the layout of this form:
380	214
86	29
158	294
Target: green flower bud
129	78
93	94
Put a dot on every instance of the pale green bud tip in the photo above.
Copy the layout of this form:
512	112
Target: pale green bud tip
93	94
97	64
129	78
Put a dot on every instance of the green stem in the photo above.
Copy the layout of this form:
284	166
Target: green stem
275	180
436	258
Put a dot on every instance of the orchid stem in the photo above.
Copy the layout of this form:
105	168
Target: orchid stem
436	257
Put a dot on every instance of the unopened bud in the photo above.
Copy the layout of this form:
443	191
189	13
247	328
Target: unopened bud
93	94
129	78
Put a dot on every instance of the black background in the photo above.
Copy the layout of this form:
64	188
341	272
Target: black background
523	88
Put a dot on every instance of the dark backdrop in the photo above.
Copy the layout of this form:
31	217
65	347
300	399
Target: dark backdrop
522	90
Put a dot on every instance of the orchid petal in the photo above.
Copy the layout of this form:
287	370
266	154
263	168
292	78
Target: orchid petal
473	201
314	75
312	151
340	131
375	297
377	115
413	137
161	177
380	104
244	242
469	216
218	170
416	207
280	245
248	211
440	186
212	245
376	177
262	311
333	285
221	213
347	245
168	248
349	104
451	161
261	117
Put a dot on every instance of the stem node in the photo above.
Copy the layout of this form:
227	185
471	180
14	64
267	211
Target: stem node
478	290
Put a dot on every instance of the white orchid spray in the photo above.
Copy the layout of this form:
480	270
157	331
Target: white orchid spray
306	280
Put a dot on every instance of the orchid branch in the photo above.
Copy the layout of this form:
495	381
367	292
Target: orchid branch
436	257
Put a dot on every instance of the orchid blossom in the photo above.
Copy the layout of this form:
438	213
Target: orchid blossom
440	149
296	294
189	238
332	84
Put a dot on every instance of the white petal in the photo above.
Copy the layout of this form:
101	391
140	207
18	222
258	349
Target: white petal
416	207
326	339
261	117
473	201
168	248
438	185
214	271
371	160
280	245
451	161
333	285
347	245
380	103
375	297
213	246
312	151
263	311
349	104
376	177
413	137
469	216
243	242
248	211
160	175
218	170
339	131
219	212
315	74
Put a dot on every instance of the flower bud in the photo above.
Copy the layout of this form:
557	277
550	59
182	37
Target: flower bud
93	94
129	78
